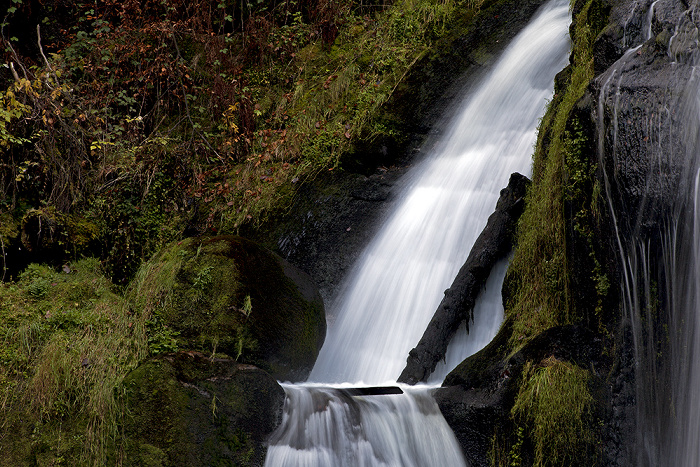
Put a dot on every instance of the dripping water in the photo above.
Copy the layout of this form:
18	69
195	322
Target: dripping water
398	283
659	248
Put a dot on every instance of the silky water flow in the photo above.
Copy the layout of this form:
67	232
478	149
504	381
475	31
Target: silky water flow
391	294
658	239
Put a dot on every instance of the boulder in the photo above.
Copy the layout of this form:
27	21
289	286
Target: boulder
228	295
477	397
185	408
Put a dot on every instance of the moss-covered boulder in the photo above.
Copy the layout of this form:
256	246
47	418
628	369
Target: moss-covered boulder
542	402
186	408
228	295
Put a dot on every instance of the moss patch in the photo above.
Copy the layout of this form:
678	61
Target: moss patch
189	409
540	273
228	295
555	406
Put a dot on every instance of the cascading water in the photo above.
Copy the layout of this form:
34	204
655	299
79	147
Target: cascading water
657	222
398	283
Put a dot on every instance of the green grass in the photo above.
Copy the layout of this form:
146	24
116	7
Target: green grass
67	343
542	297
555	405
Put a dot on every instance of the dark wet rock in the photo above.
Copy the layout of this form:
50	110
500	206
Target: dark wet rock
643	104
332	219
477	396
188	409
494	242
641	108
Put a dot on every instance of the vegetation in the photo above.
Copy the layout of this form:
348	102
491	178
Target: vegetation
67	343
151	119
555	405
542	289
128	126
552	416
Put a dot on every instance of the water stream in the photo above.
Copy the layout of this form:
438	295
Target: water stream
393	291
659	246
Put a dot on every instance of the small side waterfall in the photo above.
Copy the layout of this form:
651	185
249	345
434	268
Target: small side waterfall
398	283
656	216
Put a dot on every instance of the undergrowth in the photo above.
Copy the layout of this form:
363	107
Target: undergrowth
555	405
67	343
542	296
149	120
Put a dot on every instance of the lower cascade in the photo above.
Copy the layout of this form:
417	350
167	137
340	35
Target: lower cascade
323	425
390	296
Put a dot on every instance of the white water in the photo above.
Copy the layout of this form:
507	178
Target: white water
398	283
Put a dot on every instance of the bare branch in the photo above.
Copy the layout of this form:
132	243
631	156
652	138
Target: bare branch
14	72
41	49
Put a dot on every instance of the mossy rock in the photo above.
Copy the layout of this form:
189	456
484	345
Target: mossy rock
478	396
185	408
228	295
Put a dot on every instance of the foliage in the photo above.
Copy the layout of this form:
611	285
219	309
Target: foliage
555	404
539	266
152	118
67	342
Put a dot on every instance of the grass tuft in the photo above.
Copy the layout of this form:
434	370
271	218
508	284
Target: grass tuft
67	343
555	405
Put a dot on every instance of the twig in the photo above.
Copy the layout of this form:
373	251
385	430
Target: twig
41	49
14	72
4	261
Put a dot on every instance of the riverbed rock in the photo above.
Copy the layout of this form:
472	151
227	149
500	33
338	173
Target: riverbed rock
186	408
228	295
494	242
476	398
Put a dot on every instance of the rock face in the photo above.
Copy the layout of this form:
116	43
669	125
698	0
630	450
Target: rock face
644	105
332	219
494	242
477	396
228	295
645	108
188	409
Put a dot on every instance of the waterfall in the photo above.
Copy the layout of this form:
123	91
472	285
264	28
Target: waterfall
657	224
391	294
398	283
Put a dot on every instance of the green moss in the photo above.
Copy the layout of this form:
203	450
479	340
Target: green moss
556	276
539	272
9	228
189	409
555	405
228	295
